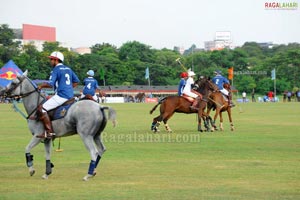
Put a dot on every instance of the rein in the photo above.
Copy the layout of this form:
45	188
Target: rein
17	109
25	95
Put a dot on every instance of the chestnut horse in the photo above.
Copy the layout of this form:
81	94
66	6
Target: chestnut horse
171	104
217	101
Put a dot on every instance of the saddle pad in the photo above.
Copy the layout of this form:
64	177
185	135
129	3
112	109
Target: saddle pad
61	111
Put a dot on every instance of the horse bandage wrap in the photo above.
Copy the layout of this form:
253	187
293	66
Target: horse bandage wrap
29	159
49	166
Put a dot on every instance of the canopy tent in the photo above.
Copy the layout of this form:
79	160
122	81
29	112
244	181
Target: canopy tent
8	72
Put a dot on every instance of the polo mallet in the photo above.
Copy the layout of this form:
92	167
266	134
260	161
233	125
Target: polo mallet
183	67
59	149
240	108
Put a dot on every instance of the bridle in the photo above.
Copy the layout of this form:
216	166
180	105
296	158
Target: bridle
19	84
211	87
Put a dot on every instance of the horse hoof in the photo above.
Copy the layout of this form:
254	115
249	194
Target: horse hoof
31	171
87	177
45	177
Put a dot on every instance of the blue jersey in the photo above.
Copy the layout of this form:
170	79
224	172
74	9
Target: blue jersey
181	86
61	79
219	81
90	85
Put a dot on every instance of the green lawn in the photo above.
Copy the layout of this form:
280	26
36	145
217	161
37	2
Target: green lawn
259	160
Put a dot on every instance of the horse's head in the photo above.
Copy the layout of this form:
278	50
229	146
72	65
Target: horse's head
227	86
15	87
204	85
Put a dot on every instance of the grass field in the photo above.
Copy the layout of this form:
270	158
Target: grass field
259	160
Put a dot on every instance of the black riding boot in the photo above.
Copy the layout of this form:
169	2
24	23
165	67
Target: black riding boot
48	127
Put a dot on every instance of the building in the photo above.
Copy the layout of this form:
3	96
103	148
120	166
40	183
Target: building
266	44
82	50
35	35
179	49
221	41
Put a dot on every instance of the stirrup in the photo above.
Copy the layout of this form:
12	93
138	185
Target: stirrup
45	135
194	108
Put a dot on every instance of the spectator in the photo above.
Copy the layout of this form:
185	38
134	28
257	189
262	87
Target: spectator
253	97
289	96
270	95
298	95
284	95
244	97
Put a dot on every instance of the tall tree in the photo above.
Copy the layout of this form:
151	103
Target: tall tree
8	47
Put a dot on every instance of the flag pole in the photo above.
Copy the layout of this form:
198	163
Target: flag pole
273	76
274	89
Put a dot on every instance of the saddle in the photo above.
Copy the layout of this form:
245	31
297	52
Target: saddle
224	96
88	97
60	111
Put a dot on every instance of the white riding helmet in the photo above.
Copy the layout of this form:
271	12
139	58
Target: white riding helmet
191	73
58	55
90	73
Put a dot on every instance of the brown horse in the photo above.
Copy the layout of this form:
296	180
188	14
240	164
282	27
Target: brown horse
217	101
171	104
140	97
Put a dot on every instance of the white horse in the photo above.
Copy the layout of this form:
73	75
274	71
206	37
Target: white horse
85	118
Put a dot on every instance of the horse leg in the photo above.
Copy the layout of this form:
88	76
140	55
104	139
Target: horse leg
29	157
200	115
90	146
213	125
101	149
49	165
206	123
165	120
155	124
209	120
215	118
221	122
230	119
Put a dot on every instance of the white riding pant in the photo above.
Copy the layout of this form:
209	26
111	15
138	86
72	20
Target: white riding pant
224	91
190	94
53	102
94	97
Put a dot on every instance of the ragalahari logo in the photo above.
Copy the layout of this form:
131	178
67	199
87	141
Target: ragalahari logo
281	5
9	75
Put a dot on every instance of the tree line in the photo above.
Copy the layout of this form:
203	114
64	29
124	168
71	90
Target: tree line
126	65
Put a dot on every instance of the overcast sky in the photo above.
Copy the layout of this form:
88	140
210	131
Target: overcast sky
158	23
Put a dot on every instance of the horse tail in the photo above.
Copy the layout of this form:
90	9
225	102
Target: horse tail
112	114
160	101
